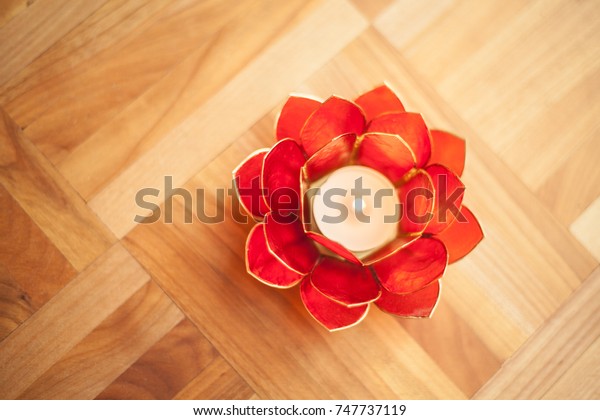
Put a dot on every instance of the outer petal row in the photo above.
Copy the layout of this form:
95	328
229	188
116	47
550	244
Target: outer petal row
263	265
293	116
281	177
333	316
447	150
420	304
417	196
289	242
379	101
335	117
449	193
461	236
343	282
413	267
248	185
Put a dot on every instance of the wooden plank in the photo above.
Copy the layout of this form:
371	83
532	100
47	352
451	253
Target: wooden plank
218	381
453	344
552	350
64	321
144	123
166	368
110	348
539	57
250	94
104	28
587	229
30	33
11	8
371	8
105	84
405	20
575	185
32	269
47	198
581	380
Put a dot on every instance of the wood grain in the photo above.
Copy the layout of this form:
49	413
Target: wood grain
32	269
226	115
48	199
28	34
166	368
552	350
11	8
160	109
79	307
109	349
218	381
103	98
581	380
575	184
587	229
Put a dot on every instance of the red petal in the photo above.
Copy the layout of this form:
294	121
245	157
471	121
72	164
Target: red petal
449	193
344	282
410	127
247	179
333	155
386	153
413	267
461	236
289	243
281	177
335	117
419	304
333	246
293	116
379	101
448	150
389	249
263	265
328	313
417	196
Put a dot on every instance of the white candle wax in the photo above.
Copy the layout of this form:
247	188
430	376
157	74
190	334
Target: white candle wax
357	207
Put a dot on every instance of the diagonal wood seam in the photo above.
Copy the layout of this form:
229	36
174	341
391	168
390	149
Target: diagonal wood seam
74	297
198	327
115	203
69	197
485	154
567	314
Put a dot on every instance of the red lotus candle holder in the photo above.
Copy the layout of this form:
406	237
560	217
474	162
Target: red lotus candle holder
359	203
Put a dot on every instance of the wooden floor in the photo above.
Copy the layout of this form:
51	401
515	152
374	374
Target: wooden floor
102	98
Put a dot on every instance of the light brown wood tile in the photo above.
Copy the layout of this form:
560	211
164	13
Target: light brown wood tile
552	350
166	368
98	359
48	199
32	269
218	381
234	109
151	116
10	8
29	33
581	380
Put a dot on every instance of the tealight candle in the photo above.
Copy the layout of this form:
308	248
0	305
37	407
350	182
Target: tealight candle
357	207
